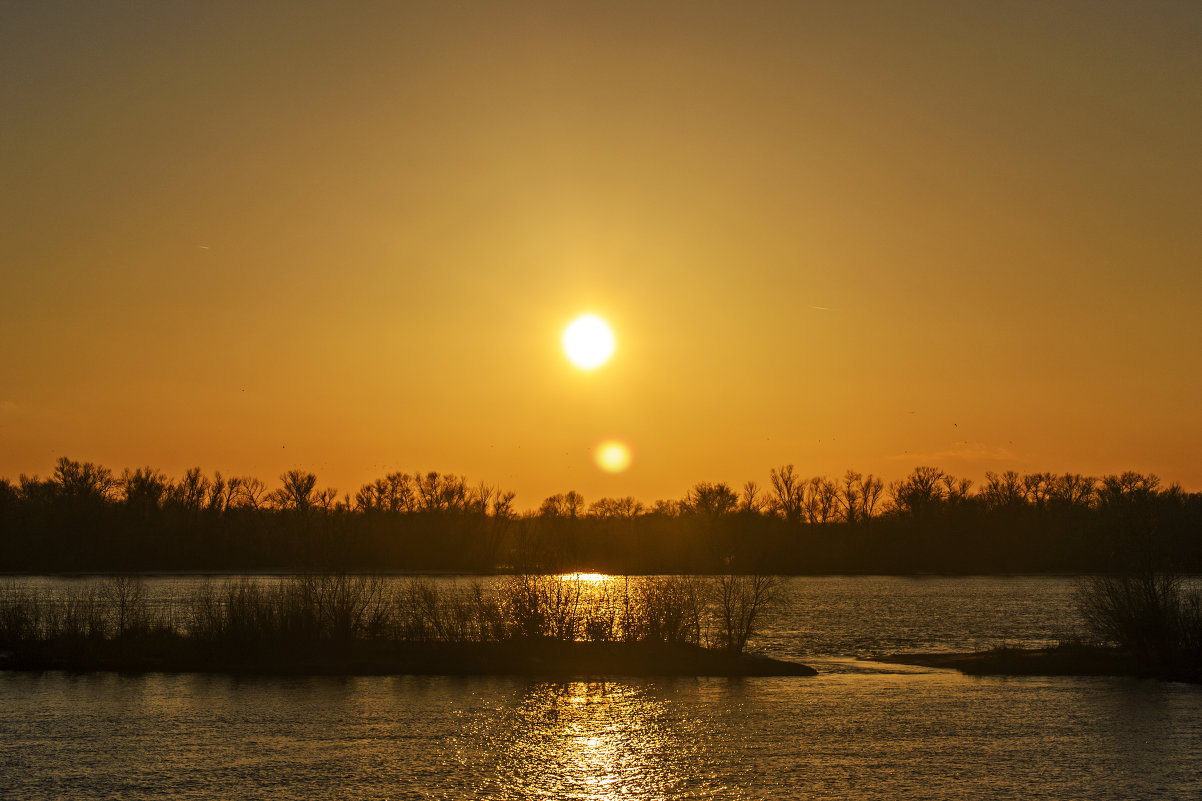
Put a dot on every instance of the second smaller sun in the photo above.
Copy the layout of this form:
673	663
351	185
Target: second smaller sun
612	456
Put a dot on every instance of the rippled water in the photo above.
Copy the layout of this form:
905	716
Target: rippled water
858	730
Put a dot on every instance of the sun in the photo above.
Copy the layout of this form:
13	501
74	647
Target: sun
588	342
612	456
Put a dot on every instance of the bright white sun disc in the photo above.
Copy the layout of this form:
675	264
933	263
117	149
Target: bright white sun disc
588	342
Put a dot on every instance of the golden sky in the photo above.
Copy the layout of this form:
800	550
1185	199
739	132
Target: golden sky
347	238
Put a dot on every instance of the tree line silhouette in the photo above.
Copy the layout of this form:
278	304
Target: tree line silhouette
84	517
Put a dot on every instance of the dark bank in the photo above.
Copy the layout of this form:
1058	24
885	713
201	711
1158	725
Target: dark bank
86	517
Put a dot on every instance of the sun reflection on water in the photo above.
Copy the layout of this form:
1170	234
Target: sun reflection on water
597	741
591	578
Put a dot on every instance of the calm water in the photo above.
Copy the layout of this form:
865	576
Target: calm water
858	730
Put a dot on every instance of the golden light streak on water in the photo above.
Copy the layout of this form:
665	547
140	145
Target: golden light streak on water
592	578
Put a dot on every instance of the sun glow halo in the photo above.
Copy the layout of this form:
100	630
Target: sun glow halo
588	342
613	457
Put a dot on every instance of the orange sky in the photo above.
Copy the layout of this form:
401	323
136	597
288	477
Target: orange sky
866	235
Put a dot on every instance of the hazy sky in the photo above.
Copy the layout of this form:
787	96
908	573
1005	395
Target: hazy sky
346	237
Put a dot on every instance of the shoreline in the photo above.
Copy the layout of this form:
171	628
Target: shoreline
364	658
1063	660
288	572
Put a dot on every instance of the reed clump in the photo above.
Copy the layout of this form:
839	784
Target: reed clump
1156	616
116	609
257	613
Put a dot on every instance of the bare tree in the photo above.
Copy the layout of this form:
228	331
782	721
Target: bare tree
233	488
143	488
326	499
83	480
666	508
820	500
371	497
217	493
1004	490
479	497
707	499
956	489
1153	614
393	493
919	492
299	492
1073	489
870	490
751	502
789	491
126	598
445	493
250	493
502	505
743	601
626	508
1126	488
191	491
1039	488
428	490
849	496
399	493
568	504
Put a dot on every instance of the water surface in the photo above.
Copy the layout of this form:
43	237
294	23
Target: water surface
858	730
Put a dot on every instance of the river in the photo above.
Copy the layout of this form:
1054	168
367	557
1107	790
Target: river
857	730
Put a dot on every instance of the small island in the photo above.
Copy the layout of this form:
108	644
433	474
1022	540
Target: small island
338	624
1145	624
1062	660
